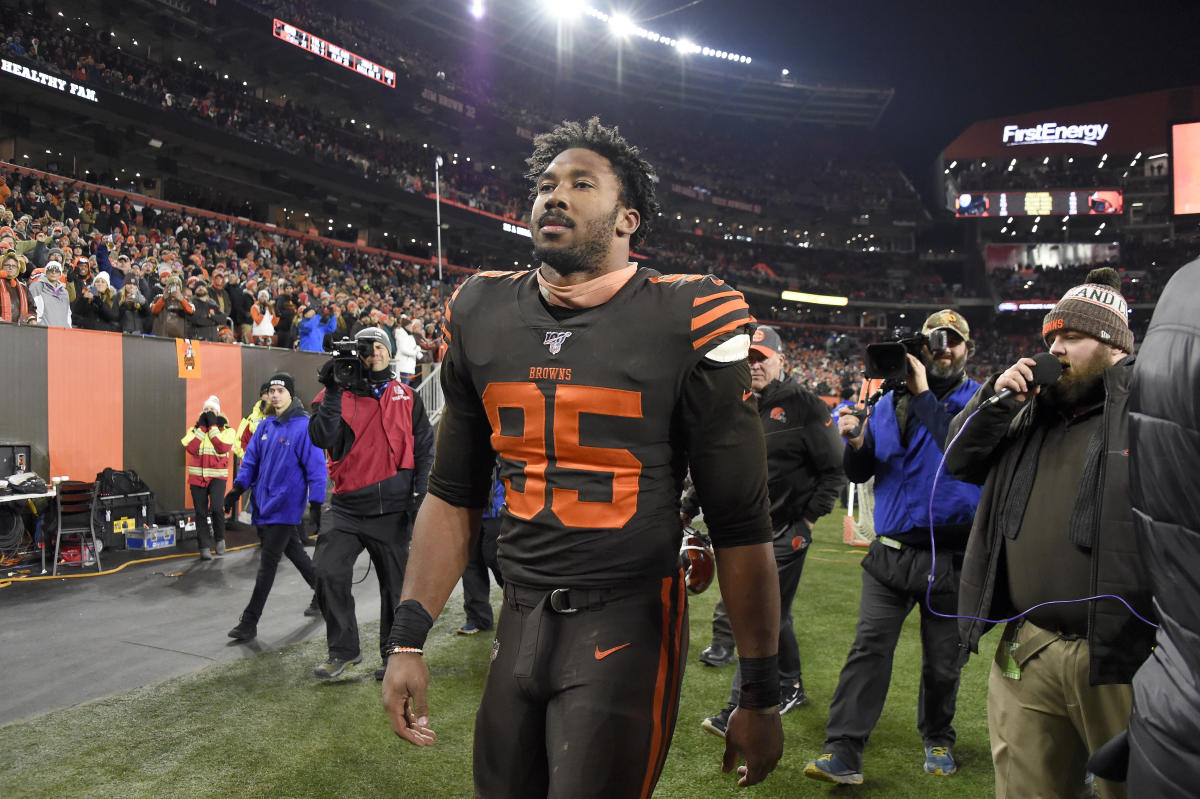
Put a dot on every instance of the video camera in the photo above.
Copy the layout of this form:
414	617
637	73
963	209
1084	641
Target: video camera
349	368
888	359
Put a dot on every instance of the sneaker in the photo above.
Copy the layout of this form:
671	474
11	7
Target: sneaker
379	672
220	547
939	761
716	655
470	628
828	768
314	608
719	723
205	554
793	699
244	631
335	666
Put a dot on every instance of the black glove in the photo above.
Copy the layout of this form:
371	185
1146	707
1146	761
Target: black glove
314	513
415	503
325	376
208	419
231	498
222	421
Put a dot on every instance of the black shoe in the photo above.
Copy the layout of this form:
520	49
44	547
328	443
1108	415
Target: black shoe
379	672
719	723
244	631
717	655
205	554
792	700
314	609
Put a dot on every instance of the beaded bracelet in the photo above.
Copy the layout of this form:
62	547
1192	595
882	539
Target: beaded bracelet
395	650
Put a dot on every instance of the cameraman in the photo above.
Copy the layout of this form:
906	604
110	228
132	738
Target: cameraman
901	446
379	445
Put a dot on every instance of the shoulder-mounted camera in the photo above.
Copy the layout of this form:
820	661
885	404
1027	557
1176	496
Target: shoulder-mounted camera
349	365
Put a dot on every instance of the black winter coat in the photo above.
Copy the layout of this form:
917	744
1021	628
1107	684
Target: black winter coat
1164	427
988	453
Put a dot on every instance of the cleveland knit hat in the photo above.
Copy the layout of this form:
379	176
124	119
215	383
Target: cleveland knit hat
766	342
375	334
1095	308
283	379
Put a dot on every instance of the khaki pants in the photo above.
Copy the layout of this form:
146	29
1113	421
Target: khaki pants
1045	725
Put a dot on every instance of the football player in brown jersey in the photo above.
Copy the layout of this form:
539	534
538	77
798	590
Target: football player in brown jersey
598	384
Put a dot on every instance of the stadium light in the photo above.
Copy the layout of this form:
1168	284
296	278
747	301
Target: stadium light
814	299
785	72
564	9
621	25
477	9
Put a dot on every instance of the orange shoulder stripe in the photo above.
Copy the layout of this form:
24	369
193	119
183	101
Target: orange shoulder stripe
710	297
734	325
723	309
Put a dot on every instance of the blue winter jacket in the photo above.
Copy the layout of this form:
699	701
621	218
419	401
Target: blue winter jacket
904	475
312	333
283	467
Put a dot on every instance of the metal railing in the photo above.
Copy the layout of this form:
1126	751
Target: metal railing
430	392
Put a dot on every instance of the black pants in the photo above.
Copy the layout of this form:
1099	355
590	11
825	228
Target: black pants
209	503
386	539
789	561
477	600
863	683
277	540
582	704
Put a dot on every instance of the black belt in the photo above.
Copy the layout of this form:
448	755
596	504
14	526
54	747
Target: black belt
562	601
569	600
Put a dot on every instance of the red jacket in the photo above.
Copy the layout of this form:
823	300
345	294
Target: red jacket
208	453
383	438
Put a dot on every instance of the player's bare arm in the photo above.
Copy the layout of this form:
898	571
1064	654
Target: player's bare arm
441	542
750	587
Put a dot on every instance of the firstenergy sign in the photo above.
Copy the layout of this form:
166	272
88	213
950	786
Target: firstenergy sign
1054	133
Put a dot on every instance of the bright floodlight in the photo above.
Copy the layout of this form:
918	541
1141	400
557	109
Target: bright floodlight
621	25
477	9
785	72
687	46
564	9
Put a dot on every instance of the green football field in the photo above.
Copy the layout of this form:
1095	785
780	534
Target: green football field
264	727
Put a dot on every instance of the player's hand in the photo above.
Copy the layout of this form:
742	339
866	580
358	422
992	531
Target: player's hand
917	381
1018	378
851	428
404	687
756	735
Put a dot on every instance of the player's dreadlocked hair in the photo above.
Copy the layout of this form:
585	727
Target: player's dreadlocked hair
634	173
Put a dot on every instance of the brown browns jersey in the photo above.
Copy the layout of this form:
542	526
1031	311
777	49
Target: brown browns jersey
585	416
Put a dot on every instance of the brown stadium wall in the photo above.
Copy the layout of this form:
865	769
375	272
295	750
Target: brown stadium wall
86	400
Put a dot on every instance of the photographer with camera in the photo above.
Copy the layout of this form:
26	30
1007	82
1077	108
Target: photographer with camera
901	446
208	444
171	310
379	445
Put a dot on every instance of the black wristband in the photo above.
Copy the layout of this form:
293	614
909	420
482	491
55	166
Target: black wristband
411	625
760	682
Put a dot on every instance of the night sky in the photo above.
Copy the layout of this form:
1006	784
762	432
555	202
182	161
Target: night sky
950	63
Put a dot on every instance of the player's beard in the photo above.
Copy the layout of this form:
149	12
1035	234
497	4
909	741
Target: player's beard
586	255
1082	386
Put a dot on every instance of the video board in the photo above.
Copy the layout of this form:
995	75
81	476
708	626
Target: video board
1057	202
331	52
1185	167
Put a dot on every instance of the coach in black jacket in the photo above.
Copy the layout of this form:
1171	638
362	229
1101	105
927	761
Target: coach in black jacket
1164	731
804	477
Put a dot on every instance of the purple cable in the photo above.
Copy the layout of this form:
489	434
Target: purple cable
933	559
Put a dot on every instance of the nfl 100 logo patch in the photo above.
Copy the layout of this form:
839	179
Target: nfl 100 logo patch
554	340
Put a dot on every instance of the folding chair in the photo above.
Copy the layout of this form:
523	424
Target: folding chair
76	503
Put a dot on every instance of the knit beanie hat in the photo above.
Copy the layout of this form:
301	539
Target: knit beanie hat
376	334
1095	308
213	402
283	379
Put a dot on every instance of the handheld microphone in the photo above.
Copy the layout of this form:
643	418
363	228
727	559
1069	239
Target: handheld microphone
1046	370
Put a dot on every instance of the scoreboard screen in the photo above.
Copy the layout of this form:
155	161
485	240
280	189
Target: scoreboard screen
1185	160
331	52
1056	202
